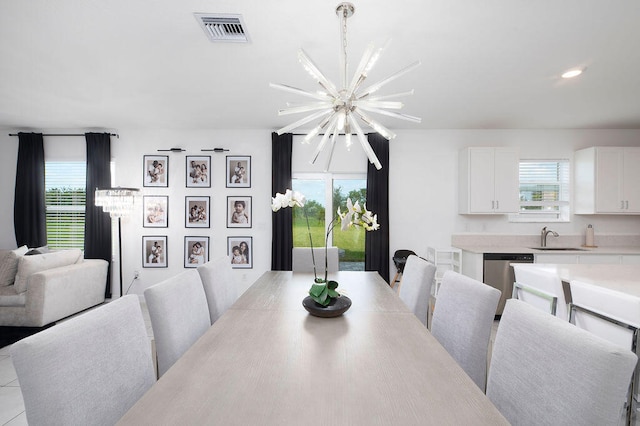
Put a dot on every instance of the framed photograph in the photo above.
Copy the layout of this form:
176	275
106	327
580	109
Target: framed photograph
238	212
196	251
156	170
239	171
156	211
196	212
240	251
154	251
198	171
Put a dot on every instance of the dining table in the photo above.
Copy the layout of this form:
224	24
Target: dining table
621	278
267	361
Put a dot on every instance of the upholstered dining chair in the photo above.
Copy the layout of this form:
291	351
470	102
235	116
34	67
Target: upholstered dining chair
546	371
219	285
541	289
303	262
89	369
462	320
415	288
399	260
611	315
179	315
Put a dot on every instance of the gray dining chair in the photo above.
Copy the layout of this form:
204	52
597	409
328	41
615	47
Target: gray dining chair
89	369
541	289
613	316
462	320
547	371
219	286
303	262
415	287
179	315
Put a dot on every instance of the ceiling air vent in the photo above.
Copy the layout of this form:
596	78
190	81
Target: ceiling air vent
221	27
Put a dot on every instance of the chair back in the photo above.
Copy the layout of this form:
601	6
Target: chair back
415	287
219	285
546	371
542	289
303	261
400	258
612	315
179	315
89	369
462	321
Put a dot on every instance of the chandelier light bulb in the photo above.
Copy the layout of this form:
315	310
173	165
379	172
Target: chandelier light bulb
339	109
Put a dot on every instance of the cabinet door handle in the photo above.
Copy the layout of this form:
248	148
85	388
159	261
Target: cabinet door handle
497	204
622	205
626	204
493	204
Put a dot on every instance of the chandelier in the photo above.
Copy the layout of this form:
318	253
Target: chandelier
341	109
118	201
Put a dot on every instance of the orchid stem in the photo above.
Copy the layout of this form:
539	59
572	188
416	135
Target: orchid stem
313	258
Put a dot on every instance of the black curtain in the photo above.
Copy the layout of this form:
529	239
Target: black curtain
97	228
282	221
29	211
376	254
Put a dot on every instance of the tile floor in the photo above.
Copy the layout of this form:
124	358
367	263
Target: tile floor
11	403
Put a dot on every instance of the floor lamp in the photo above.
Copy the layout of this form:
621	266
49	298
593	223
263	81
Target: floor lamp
118	202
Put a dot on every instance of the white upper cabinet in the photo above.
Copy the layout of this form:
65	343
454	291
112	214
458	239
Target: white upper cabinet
488	181
607	180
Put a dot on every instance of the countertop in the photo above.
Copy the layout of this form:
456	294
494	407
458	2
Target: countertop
517	249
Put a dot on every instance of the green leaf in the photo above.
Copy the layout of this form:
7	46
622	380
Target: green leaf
317	289
333	294
332	285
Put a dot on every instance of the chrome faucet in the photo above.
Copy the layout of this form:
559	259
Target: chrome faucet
543	236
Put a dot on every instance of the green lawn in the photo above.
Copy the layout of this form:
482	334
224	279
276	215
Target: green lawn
351	240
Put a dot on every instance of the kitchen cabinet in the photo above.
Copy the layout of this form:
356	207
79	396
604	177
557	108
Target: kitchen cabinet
488	180
606	180
630	259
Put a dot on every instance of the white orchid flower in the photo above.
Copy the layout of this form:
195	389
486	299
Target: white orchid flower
288	199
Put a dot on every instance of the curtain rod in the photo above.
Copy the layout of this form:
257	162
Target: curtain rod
68	134
322	134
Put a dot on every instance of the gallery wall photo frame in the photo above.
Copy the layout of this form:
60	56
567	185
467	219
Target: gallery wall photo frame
196	251
156	170
156	211
198	171
239	212
154	251
196	212
238	171
240	250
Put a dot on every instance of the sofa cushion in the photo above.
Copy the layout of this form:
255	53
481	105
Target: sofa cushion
9	297
9	264
29	265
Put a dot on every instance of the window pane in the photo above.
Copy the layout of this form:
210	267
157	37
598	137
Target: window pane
314	191
544	191
351	241
65	199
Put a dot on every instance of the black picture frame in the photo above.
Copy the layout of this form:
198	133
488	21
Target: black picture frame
196	251
155	171
198	171
240	260
155	211
154	251
197	211
238	171
237	218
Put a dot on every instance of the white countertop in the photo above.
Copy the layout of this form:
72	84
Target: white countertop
516	249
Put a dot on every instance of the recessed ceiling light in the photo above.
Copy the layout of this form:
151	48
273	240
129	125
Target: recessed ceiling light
573	73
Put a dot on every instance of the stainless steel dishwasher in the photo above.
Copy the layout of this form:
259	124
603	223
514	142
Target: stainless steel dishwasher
497	273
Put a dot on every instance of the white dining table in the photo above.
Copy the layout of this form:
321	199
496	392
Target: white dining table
621	278
266	361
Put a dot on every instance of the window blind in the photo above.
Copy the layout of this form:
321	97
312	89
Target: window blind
544	191
65	200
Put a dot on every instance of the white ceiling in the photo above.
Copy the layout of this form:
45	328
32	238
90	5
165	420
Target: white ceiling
114	64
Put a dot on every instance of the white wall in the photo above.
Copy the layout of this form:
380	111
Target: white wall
423	193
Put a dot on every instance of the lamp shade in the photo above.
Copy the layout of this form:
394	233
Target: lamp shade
118	201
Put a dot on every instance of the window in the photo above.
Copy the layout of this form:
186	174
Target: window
544	191
65	200
325	193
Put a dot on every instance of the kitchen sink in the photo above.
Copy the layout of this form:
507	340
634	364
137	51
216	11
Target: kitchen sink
559	248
